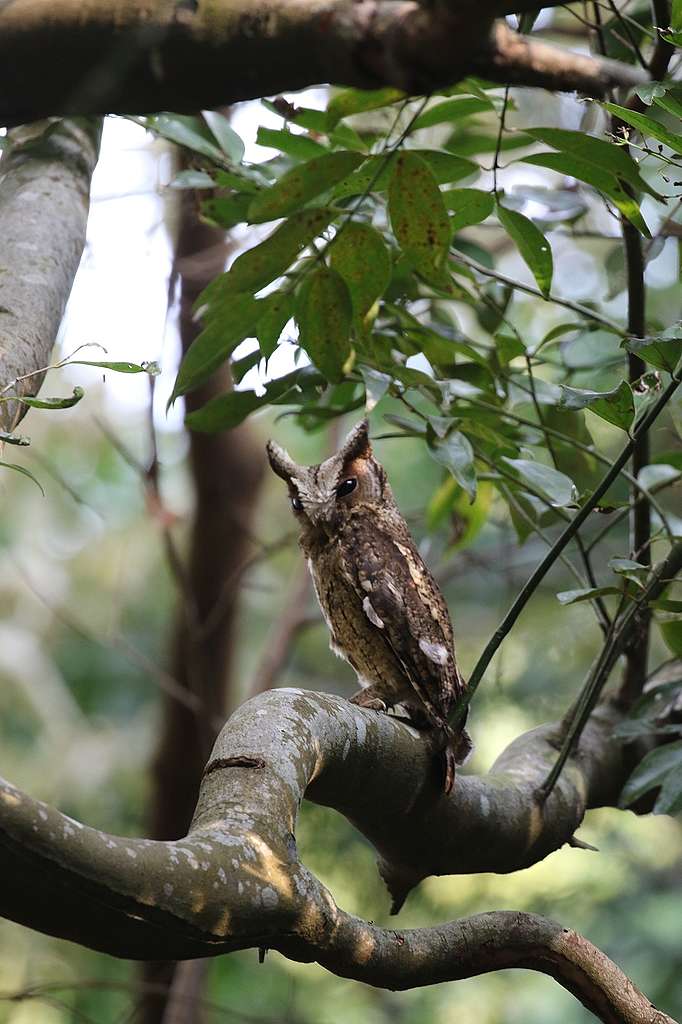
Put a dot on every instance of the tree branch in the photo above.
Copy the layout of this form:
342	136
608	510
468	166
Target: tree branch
236	880
117	56
42	234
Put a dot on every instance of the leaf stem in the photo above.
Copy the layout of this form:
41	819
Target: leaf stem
575	307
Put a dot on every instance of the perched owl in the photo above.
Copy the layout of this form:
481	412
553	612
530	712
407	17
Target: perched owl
384	610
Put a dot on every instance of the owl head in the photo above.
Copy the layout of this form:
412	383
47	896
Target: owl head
321	496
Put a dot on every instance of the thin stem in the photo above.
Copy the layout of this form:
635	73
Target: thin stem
598	603
568	533
575	307
620	634
500	134
513	500
621	514
628	32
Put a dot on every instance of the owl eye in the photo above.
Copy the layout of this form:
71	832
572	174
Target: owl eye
296	503
347	487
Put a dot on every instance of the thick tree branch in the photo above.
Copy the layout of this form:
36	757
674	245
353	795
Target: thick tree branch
44	198
236	880
119	56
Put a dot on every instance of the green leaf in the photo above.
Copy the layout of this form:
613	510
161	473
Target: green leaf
467	518
118	367
419	219
531	243
658	350
56	403
360	256
375	174
277	310
671	631
192	179
226	211
215	343
676	16
588	594
225	411
240	367
17	439
575	167
324	313
302	184
655	475
185	131
669	800
376	386
652	771
636	572
616	406
357	101
451	110
227	138
24	472
456	454
230	409
301	147
259	266
668	103
508	347
469	206
664	604
557	487
607	156
646	125
442	502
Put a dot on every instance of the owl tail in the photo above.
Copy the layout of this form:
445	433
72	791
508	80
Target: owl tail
456	752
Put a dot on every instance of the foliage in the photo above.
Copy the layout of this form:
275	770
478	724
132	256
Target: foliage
379	279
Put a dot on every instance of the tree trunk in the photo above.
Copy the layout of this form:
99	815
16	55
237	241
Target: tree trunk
227	471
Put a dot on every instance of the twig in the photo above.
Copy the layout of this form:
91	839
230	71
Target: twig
620	636
621	514
568	533
598	603
575	307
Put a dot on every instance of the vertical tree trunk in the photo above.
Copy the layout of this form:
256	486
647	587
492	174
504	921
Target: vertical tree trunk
227	470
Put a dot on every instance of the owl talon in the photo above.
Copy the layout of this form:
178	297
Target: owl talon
365	700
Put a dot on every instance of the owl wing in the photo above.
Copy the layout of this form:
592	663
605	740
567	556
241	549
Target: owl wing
404	605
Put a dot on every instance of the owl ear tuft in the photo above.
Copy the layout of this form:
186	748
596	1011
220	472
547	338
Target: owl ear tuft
281	462
357	444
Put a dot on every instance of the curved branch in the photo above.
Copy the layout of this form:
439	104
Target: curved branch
44	203
107	56
236	880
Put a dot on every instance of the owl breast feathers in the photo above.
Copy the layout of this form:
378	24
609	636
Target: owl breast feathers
384	610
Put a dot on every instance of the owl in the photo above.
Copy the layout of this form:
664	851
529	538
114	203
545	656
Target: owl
386	615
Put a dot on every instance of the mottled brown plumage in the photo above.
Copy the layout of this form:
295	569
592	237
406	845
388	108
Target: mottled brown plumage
385	612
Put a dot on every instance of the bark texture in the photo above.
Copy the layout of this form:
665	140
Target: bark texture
44	197
236	880
120	56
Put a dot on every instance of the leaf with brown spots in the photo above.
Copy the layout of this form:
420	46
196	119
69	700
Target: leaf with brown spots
271	258
418	215
324	313
301	185
360	256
